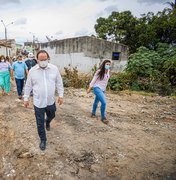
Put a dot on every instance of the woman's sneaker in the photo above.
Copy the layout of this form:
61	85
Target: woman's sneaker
93	116
105	121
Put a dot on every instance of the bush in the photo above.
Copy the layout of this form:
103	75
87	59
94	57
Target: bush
121	81
72	79
155	70
143	62
170	69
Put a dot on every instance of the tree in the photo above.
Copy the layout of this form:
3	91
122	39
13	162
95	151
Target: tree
148	30
172	5
165	26
115	27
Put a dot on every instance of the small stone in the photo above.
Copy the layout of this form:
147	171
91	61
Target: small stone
25	155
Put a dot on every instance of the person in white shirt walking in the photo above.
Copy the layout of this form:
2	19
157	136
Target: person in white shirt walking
42	79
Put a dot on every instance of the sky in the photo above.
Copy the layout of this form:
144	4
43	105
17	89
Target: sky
60	19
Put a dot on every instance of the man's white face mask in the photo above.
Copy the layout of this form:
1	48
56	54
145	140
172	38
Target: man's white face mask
43	64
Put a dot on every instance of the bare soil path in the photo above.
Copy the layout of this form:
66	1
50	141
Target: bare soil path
139	142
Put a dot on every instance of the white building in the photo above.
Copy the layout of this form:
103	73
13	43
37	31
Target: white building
85	52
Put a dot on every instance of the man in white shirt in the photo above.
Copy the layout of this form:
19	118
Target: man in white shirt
43	79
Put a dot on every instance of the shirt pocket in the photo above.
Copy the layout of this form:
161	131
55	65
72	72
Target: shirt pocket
52	78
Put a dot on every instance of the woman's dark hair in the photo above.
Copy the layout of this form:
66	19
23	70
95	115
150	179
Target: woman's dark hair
7	58
42	51
102	69
2	57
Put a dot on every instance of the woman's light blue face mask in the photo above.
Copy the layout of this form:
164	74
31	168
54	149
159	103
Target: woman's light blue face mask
107	67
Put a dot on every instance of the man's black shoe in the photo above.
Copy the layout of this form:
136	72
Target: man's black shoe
43	145
47	127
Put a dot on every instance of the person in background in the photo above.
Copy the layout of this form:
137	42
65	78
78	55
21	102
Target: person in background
14	59
30	61
9	59
99	83
5	73
19	69
43	79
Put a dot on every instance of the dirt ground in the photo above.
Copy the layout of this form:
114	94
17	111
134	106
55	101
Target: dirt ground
139	143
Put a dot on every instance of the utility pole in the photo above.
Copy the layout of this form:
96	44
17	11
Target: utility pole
33	42
5	27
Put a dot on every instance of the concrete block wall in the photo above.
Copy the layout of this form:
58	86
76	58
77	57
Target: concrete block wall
84	52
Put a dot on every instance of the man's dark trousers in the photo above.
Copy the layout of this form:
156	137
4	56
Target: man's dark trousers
19	84
40	119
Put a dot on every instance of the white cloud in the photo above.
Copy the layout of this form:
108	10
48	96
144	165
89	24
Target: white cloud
21	21
81	32
9	1
152	1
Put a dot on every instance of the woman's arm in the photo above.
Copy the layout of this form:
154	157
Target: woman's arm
89	89
93	81
11	74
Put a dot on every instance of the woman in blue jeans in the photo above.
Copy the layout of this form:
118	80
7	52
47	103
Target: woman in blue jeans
99	83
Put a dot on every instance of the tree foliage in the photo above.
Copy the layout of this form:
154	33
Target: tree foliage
144	62
148	30
155	70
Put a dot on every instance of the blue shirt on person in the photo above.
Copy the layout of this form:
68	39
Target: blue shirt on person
19	68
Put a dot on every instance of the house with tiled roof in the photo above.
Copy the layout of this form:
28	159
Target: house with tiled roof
7	47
